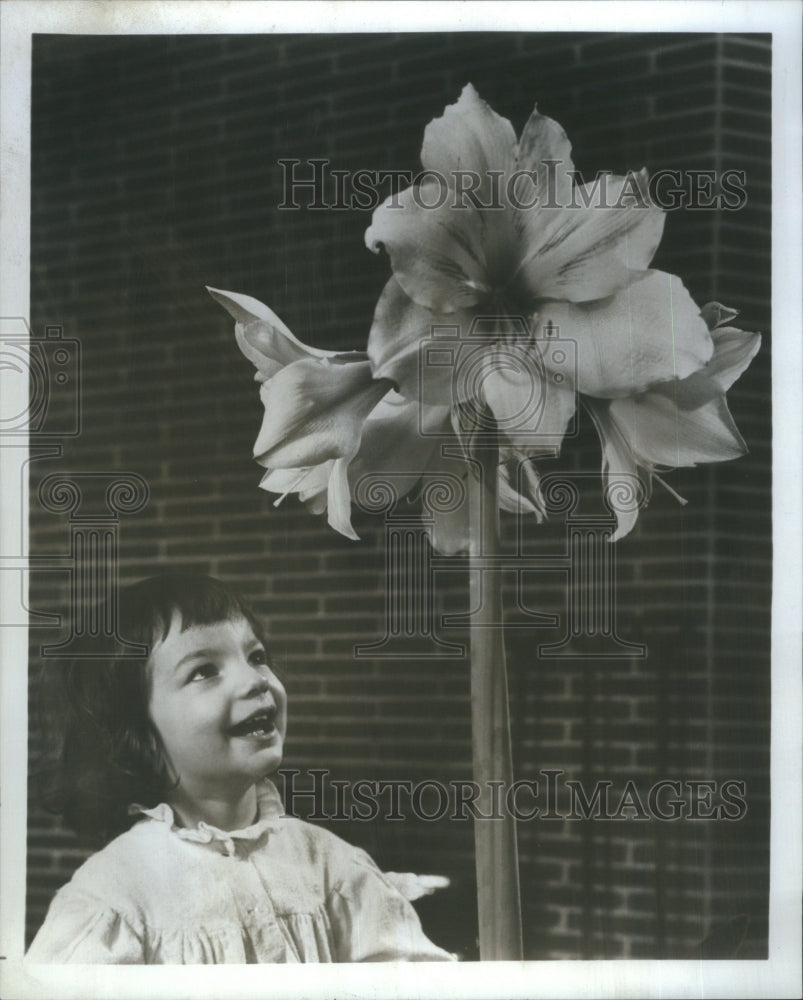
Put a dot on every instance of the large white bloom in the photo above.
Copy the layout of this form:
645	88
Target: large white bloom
573	260
556	278
328	422
674	424
576	259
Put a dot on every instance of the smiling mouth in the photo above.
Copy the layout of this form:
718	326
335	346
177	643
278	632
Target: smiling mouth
261	723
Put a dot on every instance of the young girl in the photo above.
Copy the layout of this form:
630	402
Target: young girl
169	754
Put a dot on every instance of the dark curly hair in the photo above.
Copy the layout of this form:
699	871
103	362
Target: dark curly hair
104	752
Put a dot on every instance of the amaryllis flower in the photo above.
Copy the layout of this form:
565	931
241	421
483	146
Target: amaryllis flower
316	403
673	424
521	246
499	253
514	292
328	423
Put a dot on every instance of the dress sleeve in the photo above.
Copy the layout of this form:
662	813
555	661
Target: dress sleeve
373	922
79	928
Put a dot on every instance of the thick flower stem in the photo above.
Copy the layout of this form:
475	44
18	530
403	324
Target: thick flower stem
498	901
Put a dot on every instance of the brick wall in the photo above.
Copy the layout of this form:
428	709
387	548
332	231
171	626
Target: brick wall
154	173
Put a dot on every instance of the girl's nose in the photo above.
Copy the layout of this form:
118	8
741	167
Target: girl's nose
260	684
252	680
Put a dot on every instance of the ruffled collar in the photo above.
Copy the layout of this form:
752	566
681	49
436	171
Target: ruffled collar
269	811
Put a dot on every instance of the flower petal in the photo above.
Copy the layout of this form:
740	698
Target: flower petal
625	490
399	438
264	339
544	148
649	332
733	351
519	487
661	432
397	442
638	245
581	253
437	254
470	136
317	504
261	335
339	500
308	483
532	409
315	411
406	345
715	314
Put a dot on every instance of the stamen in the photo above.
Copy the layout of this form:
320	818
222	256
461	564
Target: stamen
292	487
669	490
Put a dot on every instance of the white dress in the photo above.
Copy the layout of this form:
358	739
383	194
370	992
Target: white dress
281	890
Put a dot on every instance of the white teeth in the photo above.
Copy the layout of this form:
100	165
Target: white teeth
261	724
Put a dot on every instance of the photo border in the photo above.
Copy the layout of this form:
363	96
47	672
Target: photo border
779	976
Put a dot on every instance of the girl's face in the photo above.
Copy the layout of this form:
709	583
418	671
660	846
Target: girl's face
219	709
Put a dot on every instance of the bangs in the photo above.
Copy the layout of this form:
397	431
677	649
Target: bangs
148	607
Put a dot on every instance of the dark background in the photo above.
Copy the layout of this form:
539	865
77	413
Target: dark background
155	173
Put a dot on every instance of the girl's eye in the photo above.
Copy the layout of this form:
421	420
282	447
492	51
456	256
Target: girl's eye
203	672
258	657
